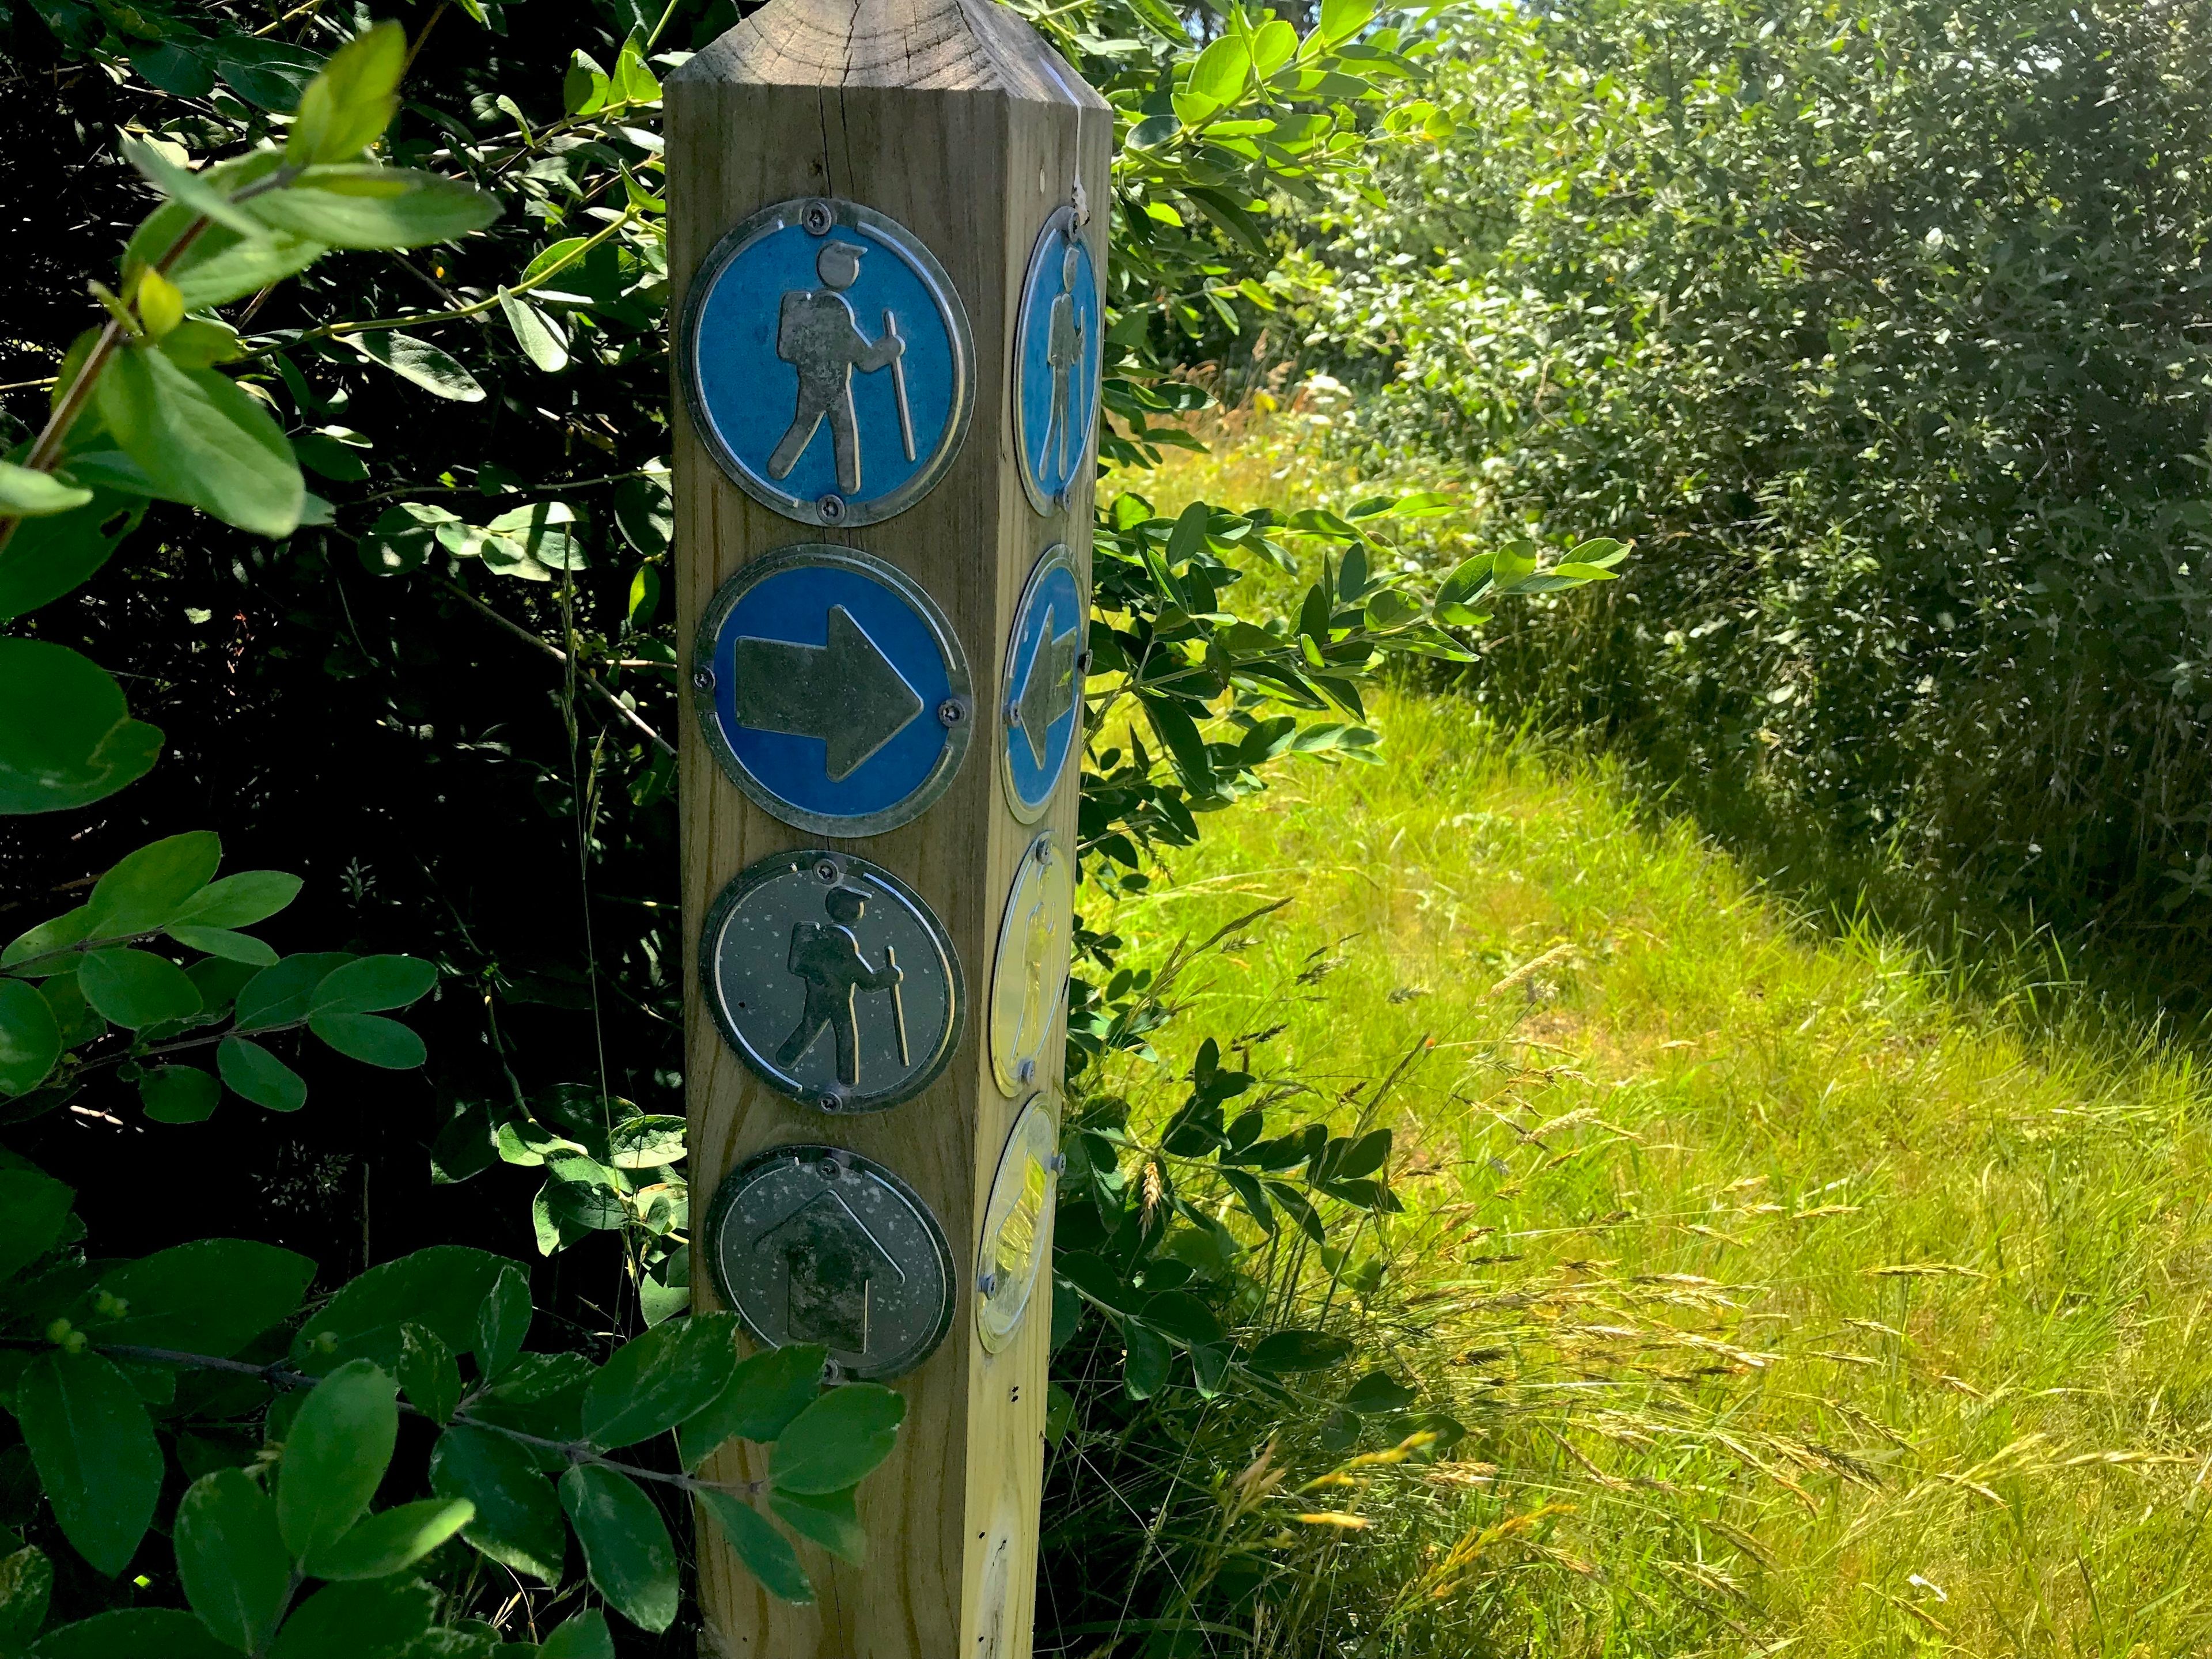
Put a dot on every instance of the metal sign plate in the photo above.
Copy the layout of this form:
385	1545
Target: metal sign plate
1016	1220
1030	973
831	689
1045	659
827	362
1058	347
818	1245
832	980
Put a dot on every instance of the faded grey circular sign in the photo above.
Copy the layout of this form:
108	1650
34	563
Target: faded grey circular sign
832	980
819	1245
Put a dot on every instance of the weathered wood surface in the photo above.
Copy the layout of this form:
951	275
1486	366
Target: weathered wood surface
951	116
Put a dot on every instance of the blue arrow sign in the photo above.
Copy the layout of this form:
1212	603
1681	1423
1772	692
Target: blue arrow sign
1056	363
1044	685
834	691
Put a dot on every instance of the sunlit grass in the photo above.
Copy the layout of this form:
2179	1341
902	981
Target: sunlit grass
1793	1301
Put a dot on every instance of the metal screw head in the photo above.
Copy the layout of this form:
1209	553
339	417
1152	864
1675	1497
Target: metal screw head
829	1099
703	678
951	711
832	1373
831	507
1026	1071
817	218
1040	850
988	1284
1083	662
826	871
1013	711
1057	1164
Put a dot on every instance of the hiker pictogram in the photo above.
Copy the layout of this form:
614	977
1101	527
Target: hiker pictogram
828	362
832	980
818	334
829	959
1056	365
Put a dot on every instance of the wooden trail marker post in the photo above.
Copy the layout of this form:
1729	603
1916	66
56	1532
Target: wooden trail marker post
886	366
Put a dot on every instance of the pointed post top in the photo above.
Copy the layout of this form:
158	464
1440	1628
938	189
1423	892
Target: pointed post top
932	45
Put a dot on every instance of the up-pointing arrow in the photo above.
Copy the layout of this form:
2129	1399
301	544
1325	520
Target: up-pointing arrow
846	692
1048	688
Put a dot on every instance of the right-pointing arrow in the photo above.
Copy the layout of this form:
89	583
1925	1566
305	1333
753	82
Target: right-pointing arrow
846	692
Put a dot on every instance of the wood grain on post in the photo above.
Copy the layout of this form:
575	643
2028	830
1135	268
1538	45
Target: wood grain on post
953	118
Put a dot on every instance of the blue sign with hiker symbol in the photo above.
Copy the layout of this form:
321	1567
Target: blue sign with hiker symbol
831	689
826	362
1058	350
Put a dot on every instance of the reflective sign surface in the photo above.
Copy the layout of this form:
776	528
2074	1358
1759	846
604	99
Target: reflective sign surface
818	1245
1045	659
1029	975
832	979
831	689
1057	352
1015	1221
826	362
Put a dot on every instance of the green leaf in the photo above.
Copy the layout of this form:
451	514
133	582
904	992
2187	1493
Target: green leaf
403	538
654	1382
193	190
646	1143
280	995
334	1454
136	987
133	1633
33	1208
222	265
515	1518
233	1566
148	888
1584	573
1342	19
1378	1394
346	108
269	74
626	1551
645	513
1220	72
202	441
242	899
30	1038
1274	44
542	532
502	1321
440	1288
370	984
178	1094
539	336
766	1552
95	1451
379	1619
384	1544
27	1585
48	556
66	737
838	1439
1513	563
371	1039
376	207
222	942
428	1374
1145	1359
1286	1352
252	1071
583	1637
829	1518
762	1397
420	361
25	494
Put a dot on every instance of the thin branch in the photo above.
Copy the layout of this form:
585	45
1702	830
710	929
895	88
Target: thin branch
560	656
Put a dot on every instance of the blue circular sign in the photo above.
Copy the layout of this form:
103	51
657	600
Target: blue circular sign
1058	349
831	689
827	362
1045	660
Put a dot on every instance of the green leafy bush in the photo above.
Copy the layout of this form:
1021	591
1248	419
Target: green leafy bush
1876	327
